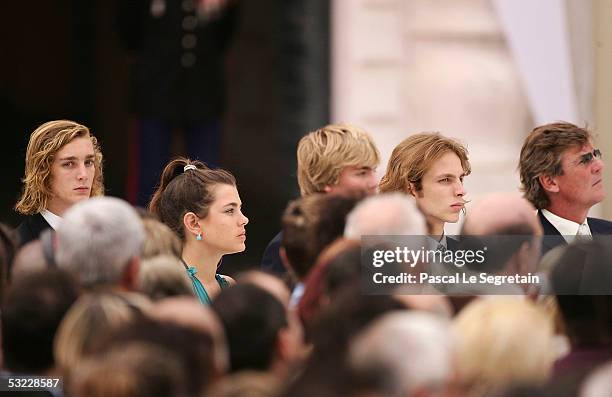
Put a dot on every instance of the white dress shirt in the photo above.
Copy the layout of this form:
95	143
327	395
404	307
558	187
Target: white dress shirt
52	219
296	295
433	244
568	229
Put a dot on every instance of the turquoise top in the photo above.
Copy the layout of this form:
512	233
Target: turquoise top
198	288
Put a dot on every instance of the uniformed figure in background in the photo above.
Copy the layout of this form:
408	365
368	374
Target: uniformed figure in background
178	52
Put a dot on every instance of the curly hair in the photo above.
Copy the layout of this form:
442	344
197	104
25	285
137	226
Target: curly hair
541	154
411	159
44	143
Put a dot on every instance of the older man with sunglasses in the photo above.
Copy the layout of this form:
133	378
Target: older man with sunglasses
562	175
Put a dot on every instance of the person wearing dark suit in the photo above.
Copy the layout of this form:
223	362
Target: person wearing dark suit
337	159
63	166
178	51
561	174
555	238
31	227
271	261
430	167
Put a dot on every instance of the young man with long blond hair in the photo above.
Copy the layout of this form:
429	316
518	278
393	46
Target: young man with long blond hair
63	165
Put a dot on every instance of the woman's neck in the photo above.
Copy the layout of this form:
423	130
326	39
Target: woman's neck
197	254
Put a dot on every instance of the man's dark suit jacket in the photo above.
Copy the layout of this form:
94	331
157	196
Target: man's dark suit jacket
553	238
30	228
271	261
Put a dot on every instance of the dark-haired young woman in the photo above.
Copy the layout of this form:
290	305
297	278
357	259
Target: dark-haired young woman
202	206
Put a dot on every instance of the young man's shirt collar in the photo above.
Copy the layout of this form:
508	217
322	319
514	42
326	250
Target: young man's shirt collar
52	219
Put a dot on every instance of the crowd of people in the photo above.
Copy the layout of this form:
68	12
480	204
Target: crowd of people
115	300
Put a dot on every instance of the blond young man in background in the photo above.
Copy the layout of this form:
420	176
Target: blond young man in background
336	159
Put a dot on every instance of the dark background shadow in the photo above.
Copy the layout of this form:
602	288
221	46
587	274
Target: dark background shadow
62	59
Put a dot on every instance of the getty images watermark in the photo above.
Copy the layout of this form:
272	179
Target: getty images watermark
460	266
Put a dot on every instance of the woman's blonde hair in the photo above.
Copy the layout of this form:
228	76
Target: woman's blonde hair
163	276
138	369
159	240
44	143
503	341
412	158
88	321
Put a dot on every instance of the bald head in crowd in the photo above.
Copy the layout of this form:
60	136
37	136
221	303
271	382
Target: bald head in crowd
388	344
502	213
508	226
100	241
391	214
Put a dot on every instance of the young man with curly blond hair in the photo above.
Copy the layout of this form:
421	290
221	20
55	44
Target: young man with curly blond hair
63	166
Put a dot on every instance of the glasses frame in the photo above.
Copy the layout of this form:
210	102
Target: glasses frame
587	158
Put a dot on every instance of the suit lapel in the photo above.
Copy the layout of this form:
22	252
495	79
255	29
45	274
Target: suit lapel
31	227
38	224
598	227
452	244
552	237
549	229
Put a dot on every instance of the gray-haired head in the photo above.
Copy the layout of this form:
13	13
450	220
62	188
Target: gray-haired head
413	349
97	239
389	214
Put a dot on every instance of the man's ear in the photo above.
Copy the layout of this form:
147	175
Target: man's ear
191	222
129	280
548	183
327	189
411	189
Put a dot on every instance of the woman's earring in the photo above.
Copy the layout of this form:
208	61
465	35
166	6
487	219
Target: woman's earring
199	236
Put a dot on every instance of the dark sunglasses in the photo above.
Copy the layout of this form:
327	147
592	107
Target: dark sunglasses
588	157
